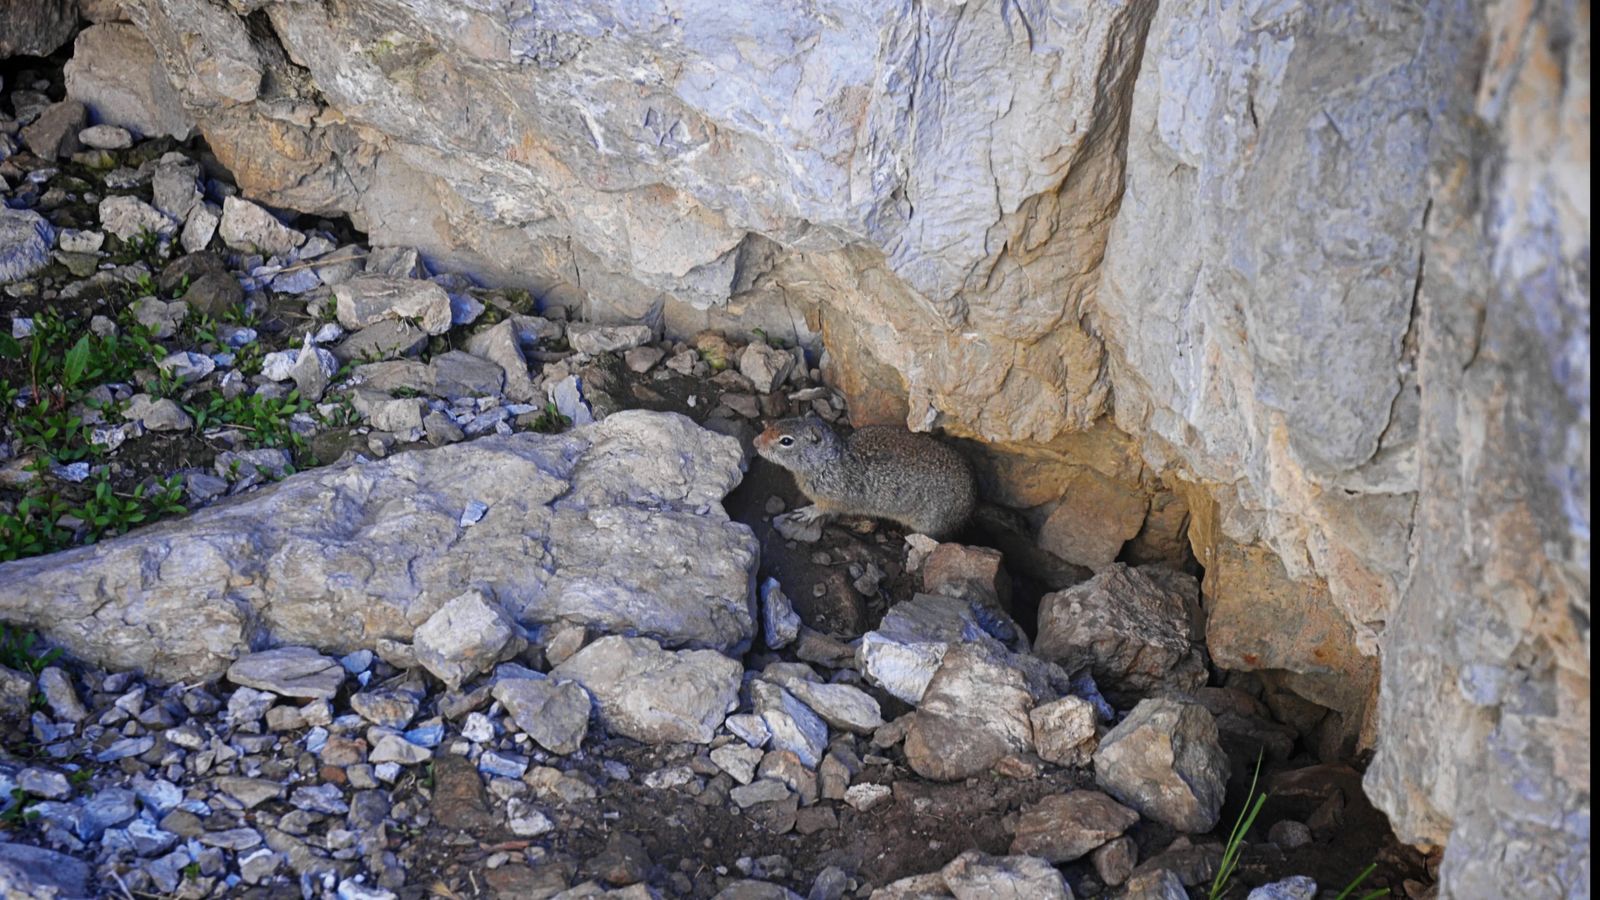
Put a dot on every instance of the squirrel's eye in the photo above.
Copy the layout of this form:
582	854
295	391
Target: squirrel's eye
786	441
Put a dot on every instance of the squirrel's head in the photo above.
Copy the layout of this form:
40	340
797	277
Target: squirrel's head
798	444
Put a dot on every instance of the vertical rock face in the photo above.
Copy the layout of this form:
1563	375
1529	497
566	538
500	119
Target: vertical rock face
1483	720
1330	260
943	173
1366	333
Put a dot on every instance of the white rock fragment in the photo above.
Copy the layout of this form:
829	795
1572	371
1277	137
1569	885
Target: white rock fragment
250	228
468	635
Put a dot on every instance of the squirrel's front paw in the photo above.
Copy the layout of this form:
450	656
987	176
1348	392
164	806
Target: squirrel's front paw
808	514
803	525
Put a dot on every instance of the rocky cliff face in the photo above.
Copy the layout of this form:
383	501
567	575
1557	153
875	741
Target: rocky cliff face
1306	284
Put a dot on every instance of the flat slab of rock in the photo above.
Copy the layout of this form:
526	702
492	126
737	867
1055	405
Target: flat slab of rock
1165	761
370	299
289	672
554	713
1065	827
973	874
27	871
654	695
618	526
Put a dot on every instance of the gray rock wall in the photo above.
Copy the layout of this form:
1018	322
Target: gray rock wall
1326	266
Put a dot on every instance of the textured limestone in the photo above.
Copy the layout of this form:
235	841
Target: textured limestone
618	525
115	72
35	27
1129	627
654	695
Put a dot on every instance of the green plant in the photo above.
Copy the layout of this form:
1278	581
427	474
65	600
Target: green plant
61	363
265	419
342	413
107	513
19	650
1230	853
18	813
550	420
31	528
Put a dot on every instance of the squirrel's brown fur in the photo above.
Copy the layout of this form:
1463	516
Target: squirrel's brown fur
878	471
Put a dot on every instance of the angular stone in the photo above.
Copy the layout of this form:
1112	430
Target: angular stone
555	714
793	726
840	705
973	714
642	359
1164	760
114	71
250	792
25	241
157	414
214	293
355	554
313	369
780	623
1298	887
1156	884
468	635
162	318
71	240
61	696
54	134
393	748
251	229
1094	518
385	340
974	874
129	217
655	695
766	367
46	783
457	374
1130	628
27	871
499	345
388	707
1064	827
37	27
290	672
175	186
106	137
738	760
1114	860
368	299
200	227
597	339
1064	731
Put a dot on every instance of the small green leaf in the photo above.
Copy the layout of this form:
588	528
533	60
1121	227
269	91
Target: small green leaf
77	360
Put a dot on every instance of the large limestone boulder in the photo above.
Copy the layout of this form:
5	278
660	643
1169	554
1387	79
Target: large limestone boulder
617	525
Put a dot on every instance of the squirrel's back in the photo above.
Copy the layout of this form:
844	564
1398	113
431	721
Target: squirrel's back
878	471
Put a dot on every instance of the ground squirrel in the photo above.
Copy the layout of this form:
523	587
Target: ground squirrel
878	471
